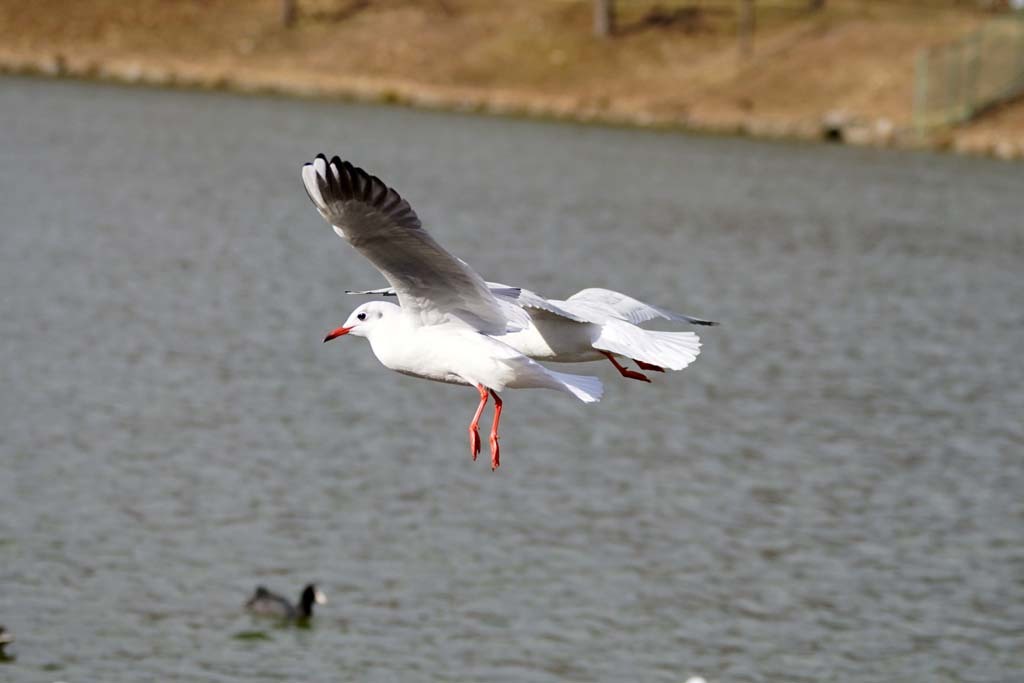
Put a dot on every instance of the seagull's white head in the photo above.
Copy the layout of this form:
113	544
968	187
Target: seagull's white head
364	319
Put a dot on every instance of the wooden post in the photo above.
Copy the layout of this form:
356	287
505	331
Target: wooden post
604	18
954	85
288	12
745	27
972	67
921	105
1019	83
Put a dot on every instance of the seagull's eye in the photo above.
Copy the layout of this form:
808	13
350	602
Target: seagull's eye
361	316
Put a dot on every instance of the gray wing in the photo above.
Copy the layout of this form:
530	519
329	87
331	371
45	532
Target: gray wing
500	291
383	291
520	298
538	306
432	285
596	301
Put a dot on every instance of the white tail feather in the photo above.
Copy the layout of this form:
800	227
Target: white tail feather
671	350
584	387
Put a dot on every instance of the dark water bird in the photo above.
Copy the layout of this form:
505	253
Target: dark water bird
266	602
6	638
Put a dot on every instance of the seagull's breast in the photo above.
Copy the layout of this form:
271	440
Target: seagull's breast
453	354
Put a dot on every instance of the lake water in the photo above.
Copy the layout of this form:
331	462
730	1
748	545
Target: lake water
834	491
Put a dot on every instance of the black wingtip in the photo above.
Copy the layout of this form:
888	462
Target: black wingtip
318	156
344	181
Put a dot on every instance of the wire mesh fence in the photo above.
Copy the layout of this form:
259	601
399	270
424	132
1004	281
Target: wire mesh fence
956	81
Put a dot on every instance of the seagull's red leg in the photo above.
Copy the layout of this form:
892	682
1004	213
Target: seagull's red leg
647	366
474	435
632	374
495	451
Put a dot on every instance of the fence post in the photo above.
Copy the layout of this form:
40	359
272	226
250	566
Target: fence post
288	12
1020	51
952	82
604	18
745	27
921	88
972	56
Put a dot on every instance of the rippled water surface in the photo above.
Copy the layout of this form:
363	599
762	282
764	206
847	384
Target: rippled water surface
833	492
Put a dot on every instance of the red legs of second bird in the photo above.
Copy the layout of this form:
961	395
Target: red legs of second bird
647	366
474	435
495	451
632	374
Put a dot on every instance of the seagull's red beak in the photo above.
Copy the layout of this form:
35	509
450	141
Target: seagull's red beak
334	334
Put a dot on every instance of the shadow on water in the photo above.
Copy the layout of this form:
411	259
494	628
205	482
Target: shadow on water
252	635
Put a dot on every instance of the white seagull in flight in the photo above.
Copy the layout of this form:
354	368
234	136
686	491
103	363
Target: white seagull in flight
594	324
445	325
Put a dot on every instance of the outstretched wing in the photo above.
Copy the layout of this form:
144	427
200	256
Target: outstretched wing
500	291
596	301
537	306
433	286
507	296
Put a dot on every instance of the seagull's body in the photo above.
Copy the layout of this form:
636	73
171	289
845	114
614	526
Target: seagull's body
595	324
455	354
445	326
560	340
557	340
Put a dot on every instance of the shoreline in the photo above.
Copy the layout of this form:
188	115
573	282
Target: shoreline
238	72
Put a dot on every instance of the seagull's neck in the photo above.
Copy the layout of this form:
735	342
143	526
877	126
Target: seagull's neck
389	337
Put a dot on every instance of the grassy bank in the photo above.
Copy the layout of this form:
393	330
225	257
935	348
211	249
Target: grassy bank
674	65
